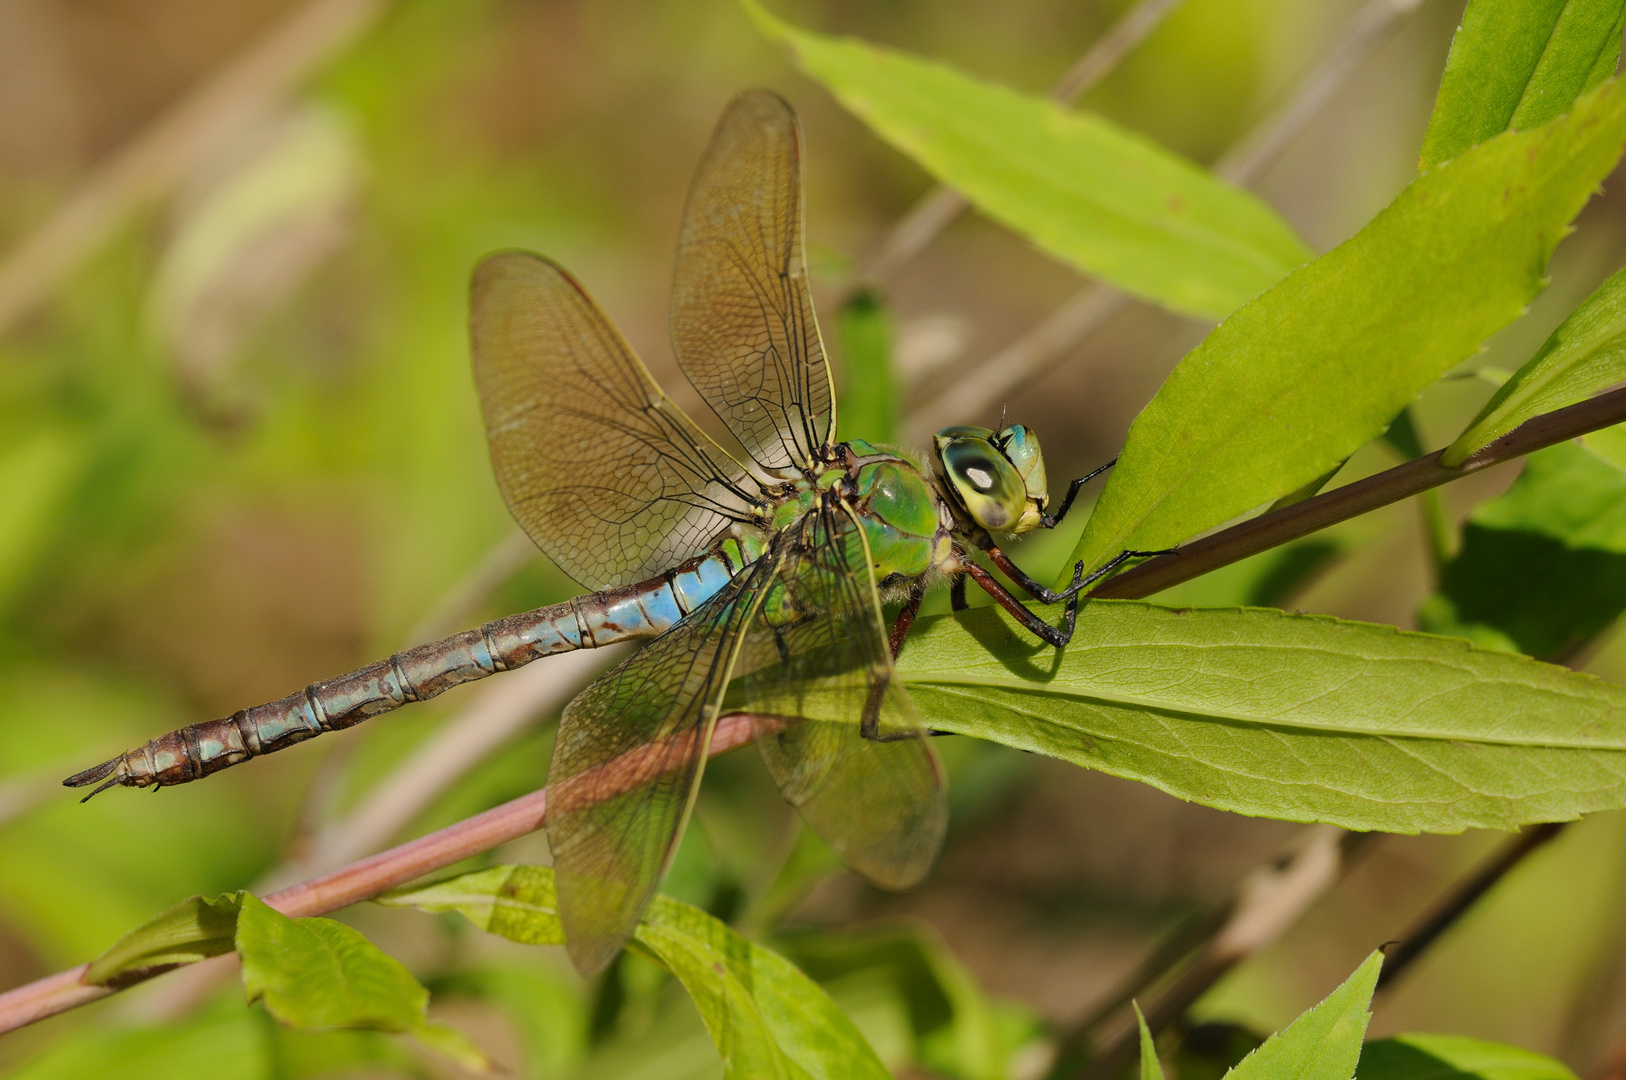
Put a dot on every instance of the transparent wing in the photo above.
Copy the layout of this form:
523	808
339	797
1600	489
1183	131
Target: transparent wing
742	317
818	651
601	469
627	764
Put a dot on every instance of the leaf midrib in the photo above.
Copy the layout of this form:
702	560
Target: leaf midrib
1235	716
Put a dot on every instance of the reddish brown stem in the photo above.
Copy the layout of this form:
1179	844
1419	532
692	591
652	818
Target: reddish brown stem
367	878
1352	500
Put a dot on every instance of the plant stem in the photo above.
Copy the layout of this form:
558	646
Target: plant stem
368	877
1268	900
1340	504
1452	904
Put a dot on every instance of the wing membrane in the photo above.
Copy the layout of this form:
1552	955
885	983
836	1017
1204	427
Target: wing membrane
742	317
880	805
608	476
627	764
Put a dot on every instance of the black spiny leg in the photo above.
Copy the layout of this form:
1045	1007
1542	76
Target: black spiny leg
1050	596
957	593
1051	635
1050	521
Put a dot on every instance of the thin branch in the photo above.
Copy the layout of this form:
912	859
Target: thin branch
941	206
151	163
502	710
1403	481
1451	905
1360	38
1270	900
1091	307
368	877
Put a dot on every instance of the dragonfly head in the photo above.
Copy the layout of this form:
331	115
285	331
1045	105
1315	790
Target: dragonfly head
996	477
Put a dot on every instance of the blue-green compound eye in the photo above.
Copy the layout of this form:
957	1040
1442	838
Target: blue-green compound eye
1021	448
983	479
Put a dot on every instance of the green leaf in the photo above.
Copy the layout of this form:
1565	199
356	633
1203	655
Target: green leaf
1325	1042
1300	378
195	929
1518	64
869	399
1300	717
1584	355
1149	1067
1108	201
765	1017
1455	1057
317	973
1542	569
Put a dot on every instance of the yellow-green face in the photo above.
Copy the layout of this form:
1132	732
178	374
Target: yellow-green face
997	477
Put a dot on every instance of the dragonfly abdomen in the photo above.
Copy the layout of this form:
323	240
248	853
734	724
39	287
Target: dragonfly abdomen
642	610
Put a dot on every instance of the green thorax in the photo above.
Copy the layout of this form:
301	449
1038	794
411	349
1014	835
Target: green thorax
901	520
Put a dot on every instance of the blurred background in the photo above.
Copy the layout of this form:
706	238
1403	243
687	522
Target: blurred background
240	451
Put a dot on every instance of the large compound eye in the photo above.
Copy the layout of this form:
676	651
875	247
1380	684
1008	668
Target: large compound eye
1021	447
988	486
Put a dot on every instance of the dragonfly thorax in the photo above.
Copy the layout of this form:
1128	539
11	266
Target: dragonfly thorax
994	478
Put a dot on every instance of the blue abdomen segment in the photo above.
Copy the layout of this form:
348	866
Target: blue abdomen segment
643	610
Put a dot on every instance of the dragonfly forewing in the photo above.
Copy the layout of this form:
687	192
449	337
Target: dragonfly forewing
599	467
742	316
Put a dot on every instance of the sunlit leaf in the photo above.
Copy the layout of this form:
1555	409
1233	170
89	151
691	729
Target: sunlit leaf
1542	569
1108	201
1455	1057
1518	64
1585	354
765	1017
1325	1042
1300	378
195	929
1150	1069
317	973
1300	717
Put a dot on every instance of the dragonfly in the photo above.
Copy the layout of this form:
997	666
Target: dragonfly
759	577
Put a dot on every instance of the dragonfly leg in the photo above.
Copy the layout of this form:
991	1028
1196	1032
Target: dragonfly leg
906	618
870	726
1050	635
1050	521
957	599
1118	560
1050	596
